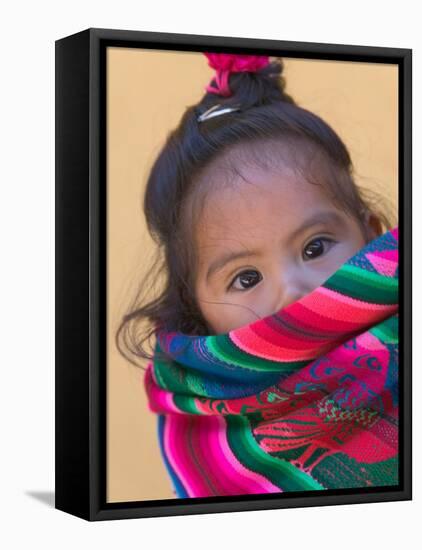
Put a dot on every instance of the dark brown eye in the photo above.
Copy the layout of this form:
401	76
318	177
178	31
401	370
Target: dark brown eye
316	248
247	279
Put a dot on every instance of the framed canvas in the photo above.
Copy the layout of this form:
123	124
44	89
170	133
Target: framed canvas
210	357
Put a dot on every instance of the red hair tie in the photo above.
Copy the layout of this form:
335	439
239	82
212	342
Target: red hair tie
224	64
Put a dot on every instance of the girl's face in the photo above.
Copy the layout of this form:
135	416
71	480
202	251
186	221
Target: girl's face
264	246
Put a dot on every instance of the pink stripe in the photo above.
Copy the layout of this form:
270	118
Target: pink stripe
395	232
174	445
263	341
385	266
168	400
210	451
262	348
287	338
253	483
319	319
361	311
159	400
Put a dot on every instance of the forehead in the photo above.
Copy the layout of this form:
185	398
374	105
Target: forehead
258	163
258	202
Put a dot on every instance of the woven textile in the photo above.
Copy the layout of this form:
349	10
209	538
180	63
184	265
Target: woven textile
305	399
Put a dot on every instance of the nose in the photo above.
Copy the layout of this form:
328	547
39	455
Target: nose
290	289
289	298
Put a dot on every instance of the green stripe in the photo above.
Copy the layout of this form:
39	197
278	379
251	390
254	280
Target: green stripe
224	349
158	371
250	454
176	379
387	331
186	404
363	285
360	273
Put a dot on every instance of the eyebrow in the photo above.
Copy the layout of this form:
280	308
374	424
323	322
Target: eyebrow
318	218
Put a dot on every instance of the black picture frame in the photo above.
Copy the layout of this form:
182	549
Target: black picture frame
80	171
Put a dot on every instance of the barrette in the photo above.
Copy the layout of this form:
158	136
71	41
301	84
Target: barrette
215	111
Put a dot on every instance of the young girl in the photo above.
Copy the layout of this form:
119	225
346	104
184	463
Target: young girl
278	311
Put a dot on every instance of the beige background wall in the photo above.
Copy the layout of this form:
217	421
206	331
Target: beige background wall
147	92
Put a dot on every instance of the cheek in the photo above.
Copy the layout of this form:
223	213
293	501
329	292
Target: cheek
223	313
230	317
317	272
215	318
344	251
205	297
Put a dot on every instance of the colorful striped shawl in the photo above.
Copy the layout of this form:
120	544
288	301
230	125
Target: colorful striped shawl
302	400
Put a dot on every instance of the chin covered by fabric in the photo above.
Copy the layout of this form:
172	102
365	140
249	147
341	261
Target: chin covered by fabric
303	400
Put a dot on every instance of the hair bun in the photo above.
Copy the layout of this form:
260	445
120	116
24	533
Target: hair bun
224	64
236	63
248	79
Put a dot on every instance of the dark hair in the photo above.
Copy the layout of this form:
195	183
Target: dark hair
176	188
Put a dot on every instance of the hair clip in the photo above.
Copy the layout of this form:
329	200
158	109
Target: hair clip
215	111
